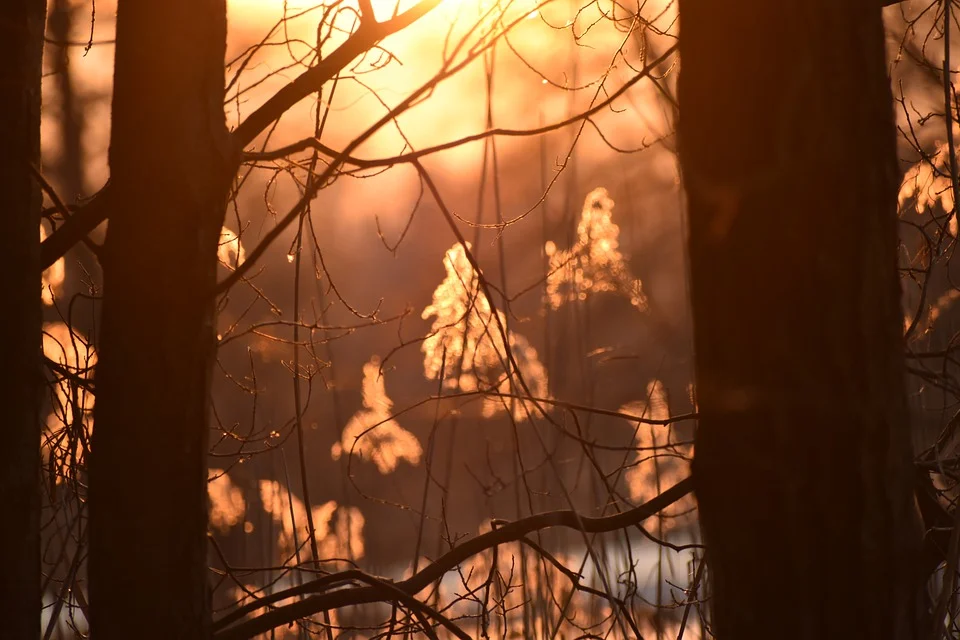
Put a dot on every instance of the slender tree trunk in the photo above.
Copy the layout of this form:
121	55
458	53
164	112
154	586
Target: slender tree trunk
803	455
169	162
21	50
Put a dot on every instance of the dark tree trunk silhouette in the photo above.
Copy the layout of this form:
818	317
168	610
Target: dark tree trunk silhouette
21	48
803	455
170	164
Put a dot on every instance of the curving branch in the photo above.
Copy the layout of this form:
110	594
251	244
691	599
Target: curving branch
375	591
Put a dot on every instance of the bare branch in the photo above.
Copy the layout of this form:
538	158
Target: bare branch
75	228
368	34
510	532
313	143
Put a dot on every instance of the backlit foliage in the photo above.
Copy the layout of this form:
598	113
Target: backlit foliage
227	506
372	434
230	252
466	344
661	461
594	264
339	529
928	182
534	374
926	323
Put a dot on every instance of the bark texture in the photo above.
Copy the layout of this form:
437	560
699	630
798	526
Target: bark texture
803	455
21	47
169	163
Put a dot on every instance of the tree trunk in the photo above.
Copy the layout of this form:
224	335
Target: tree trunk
169	162
803	455
21	49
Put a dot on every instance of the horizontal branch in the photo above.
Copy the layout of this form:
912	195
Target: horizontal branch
353	596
